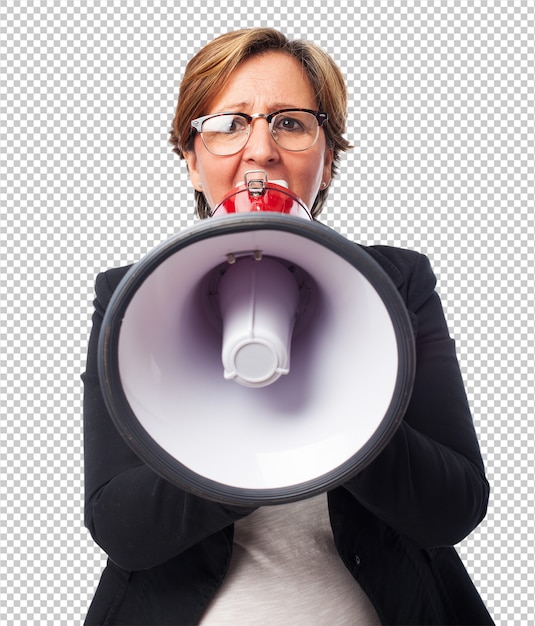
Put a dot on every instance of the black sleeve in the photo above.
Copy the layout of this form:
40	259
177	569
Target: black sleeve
429	482
137	517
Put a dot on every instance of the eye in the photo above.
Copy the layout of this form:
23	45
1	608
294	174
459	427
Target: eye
226	124
289	124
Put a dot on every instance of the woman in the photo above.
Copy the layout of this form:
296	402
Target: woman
376	550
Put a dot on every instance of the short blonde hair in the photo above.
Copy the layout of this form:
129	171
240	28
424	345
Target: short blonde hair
207	72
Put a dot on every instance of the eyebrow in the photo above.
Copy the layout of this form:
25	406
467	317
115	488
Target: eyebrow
237	107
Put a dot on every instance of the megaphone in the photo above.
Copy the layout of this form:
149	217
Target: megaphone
257	358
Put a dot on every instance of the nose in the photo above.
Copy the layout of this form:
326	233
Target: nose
260	147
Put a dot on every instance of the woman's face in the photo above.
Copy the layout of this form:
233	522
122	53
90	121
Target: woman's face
262	84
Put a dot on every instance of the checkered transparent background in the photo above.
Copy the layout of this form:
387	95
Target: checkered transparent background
442	119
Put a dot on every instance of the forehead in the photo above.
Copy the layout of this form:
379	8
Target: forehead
270	80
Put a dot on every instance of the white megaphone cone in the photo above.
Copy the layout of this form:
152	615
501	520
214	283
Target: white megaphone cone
248	289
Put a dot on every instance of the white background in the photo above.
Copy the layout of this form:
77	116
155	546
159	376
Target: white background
442	118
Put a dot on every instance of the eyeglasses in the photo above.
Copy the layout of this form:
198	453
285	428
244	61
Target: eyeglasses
224	134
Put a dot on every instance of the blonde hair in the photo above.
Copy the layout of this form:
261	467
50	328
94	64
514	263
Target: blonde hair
207	72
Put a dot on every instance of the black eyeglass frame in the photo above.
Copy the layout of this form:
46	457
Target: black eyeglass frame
321	118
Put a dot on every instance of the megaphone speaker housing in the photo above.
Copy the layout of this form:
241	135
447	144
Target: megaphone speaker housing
348	384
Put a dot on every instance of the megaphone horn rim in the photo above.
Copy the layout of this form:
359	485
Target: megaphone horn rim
243	222
171	468
174	471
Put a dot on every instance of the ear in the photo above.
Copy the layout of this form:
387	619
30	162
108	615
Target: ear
194	175
327	166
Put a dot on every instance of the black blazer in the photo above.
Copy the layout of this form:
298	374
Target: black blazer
393	524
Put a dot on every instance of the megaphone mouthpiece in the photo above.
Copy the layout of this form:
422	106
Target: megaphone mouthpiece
257	194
